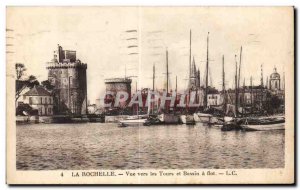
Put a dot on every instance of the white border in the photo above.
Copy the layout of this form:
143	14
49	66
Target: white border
5	3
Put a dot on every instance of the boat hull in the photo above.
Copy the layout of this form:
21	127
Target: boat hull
169	118
133	122
187	119
278	126
205	118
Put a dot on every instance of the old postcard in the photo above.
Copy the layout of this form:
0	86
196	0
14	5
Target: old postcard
150	95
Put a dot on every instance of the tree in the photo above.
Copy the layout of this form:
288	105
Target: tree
46	84
21	83
20	69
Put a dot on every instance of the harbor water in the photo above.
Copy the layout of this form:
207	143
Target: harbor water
106	146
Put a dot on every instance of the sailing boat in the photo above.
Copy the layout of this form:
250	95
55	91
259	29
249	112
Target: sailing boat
188	118
232	124
224	118
166	117
152	117
262	123
134	120
203	117
246	123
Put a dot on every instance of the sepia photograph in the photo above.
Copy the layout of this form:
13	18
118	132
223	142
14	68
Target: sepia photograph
150	95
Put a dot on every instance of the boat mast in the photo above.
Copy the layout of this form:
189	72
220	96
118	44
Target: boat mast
190	59
176	85
283	81
167	71
176	92
206	80
153	85
236	90
262	86
261	76
137	109
251	94
135	86
243	99
223	86
239	77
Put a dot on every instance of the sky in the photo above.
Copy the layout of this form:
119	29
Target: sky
119	41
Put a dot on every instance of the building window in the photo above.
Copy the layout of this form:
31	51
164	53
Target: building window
30	100
41	100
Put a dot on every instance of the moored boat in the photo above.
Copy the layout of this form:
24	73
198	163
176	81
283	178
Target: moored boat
152	120
132	122
206	118
230	126
266	127
135	120
263	123
187	119
169	118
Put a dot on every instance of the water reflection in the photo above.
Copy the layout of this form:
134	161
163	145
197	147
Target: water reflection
105	146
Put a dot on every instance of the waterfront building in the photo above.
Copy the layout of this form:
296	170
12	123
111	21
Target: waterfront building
68	76
248	95
213	97
39	99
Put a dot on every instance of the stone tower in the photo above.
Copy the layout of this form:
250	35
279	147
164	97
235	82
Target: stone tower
115	85
275	80
68	76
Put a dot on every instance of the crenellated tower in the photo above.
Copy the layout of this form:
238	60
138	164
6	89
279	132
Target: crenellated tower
68	76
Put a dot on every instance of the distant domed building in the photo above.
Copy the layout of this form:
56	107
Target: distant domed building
275	80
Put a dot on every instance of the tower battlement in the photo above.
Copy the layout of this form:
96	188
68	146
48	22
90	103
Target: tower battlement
118	80
66	64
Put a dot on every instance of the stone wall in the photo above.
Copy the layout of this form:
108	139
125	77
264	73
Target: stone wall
69	80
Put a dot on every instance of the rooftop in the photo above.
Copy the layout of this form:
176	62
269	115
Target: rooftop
118	80
37	91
